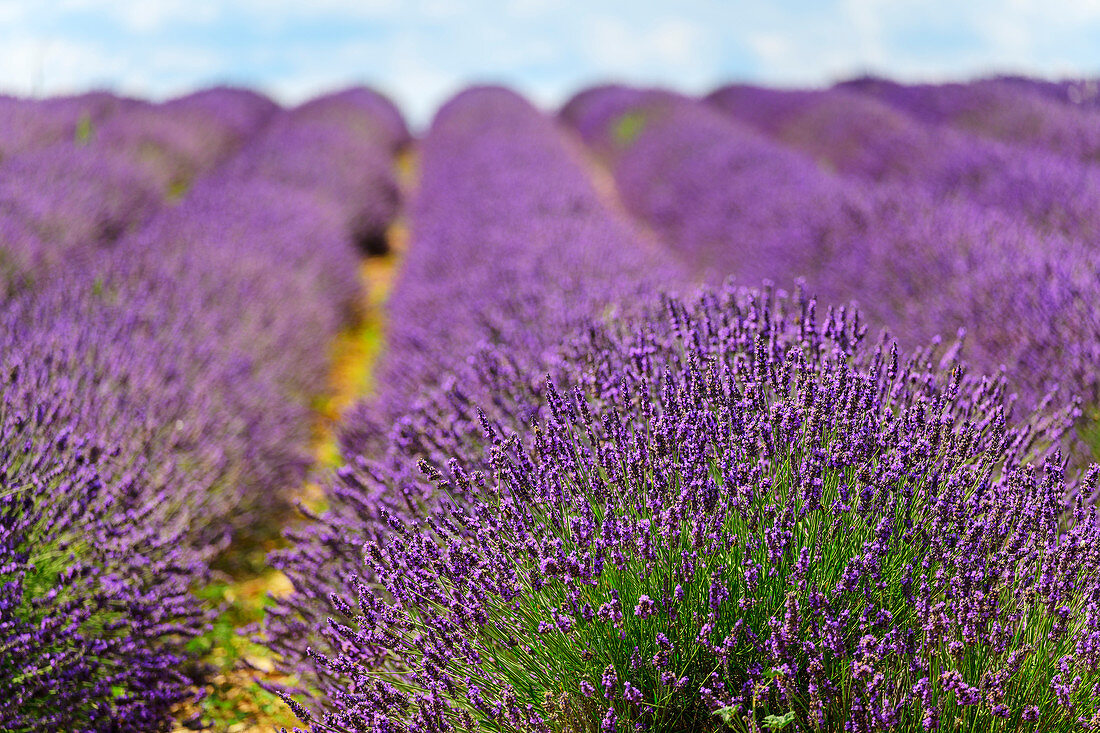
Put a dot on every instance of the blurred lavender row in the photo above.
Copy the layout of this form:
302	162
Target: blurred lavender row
157	400
111	173
511	246
918	261
999	110
27	124
512	251
857	135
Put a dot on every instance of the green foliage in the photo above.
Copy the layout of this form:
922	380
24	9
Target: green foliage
84	130
628	127
1089	430
177	189
234	696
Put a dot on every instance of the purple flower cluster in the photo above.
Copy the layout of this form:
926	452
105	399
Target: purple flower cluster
95	594
919	263
1078	92
728	509
317	149
59	199
176	141
27	124
156	398
724	198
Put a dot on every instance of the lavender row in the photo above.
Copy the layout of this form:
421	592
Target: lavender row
27	124
732	202
89	192
512	255
317	149
512	250
1078	92
575	554
156	401
858	135
998	110
727	511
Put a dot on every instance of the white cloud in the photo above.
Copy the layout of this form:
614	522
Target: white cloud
664	47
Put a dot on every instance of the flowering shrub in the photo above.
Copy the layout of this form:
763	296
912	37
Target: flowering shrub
58	200
95	579
363	111
1078	92
29	124
737	516
98	185
510	265
172	142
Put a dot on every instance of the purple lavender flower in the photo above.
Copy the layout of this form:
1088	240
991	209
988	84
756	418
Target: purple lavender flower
510	264
859	135
942	549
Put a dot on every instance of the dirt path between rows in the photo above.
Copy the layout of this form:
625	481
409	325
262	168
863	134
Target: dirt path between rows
234	702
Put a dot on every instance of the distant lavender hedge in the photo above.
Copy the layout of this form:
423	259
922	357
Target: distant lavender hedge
999	110
28	124
731	202
156	401
730	512
178	140
1077	92
858	135
317	149
92	189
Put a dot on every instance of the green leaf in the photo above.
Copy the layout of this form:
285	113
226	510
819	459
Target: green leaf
776	722
726	714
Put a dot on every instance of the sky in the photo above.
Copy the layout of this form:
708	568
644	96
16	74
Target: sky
422	51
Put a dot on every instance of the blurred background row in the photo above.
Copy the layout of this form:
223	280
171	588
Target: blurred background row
422	51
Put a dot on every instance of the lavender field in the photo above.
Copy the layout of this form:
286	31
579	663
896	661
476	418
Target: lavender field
761	410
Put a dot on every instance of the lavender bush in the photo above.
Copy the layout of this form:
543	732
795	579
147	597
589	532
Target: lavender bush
362	110
29	124
1079	92
737	516
509	263
174	143
95	574
87	192
239	112
63	198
